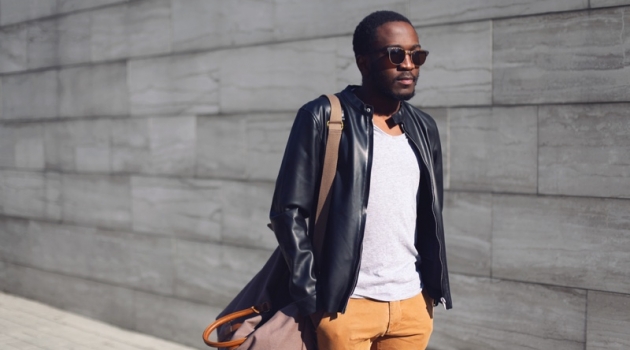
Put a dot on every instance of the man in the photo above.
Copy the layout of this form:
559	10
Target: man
383	261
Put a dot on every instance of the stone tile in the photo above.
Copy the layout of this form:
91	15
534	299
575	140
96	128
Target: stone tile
64	6
436	11
573	242
202	24
42	49
256	144
148	27
75	91
177	207
175	85
495	314
569	57
74	38
246	214
453	76
13	43
131	145
29	95
626	37
21	331
7	154
584	150
82	145
308	19
22	146
197	25
99	90
29	146
468	231
173	145
78	331
53	196
110	95
32	325
14	242
108	34
267	137
39	244
60	144
493	149
604	3
347	71
96	300
248	21
97	200
3	275
222	147
91	150
23	193
214	274
268	86
125	259
175	319
608	321
161	145
24	10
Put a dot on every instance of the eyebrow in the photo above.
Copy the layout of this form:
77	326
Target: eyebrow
416	46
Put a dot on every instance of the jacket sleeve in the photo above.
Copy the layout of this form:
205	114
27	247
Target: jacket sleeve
294	201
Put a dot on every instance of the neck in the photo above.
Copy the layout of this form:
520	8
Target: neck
383	105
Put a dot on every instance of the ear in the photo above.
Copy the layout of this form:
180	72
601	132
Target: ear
363	63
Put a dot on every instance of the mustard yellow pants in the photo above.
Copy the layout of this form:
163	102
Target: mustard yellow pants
378	325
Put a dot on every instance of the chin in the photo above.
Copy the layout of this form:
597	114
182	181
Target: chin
399	95
390	89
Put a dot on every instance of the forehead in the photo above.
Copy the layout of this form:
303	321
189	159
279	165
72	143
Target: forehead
396	34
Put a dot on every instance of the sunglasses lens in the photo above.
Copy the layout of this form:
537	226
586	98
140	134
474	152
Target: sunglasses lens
418	57
397	55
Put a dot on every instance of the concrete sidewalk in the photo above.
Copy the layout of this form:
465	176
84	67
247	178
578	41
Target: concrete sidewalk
26	324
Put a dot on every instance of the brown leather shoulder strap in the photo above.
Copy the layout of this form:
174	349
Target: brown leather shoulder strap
335	127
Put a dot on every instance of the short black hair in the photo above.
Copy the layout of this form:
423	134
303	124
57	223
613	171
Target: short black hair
365	33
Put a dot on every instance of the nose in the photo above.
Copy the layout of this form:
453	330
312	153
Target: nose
407	63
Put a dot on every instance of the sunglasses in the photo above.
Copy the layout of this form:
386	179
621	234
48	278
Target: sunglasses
397	55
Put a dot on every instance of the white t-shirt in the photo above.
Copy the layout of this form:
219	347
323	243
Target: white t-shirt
388	260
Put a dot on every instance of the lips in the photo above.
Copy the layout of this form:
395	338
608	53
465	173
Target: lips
406	79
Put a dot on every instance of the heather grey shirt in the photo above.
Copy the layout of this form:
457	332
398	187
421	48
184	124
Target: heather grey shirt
388	262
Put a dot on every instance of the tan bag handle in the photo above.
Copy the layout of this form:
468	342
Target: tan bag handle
228	318
335	126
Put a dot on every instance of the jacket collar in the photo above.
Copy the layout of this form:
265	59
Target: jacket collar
349	96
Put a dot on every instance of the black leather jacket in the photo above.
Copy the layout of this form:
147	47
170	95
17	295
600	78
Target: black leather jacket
293	208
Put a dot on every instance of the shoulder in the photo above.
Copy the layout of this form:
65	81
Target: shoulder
310	120
316	110
318	107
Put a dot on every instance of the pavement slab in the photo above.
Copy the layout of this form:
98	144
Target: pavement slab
31	325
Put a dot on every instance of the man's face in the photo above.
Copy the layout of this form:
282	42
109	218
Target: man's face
395	81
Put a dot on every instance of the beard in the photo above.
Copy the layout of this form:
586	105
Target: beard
384	86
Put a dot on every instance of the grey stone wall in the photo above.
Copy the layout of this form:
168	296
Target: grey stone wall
139	142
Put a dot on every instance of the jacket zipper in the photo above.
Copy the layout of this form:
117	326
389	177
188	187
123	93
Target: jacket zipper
433	190
365	196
